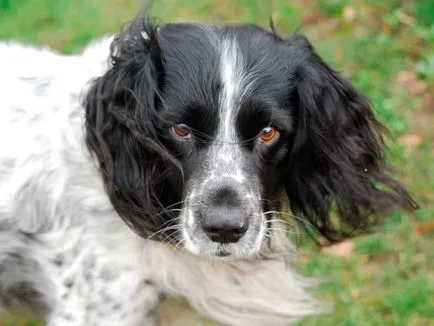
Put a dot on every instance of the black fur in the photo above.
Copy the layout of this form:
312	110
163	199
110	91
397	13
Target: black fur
329	160
336	161
121	111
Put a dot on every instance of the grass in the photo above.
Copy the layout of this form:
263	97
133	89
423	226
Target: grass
387	49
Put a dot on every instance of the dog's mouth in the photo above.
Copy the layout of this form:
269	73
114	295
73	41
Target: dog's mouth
197	242
223	253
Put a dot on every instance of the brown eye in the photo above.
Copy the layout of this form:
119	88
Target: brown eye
181	130
268	134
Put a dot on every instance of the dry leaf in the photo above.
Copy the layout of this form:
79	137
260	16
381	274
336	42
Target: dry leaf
312	18
349	14
342	249
386	28
406	19
425	227
409	80
405	77
412	140
417	87
355	293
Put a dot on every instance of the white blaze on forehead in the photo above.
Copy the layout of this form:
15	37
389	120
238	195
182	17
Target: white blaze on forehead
225	155
231	71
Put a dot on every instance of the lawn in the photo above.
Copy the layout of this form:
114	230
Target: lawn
387	49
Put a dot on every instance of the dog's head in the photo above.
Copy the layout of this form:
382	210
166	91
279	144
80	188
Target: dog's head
199	130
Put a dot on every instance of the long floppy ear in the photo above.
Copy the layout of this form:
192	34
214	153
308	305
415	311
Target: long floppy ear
121	111
336	163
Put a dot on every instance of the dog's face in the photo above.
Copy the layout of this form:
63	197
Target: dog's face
200	129
227	119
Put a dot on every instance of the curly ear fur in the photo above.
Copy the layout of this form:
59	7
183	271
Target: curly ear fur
121	116
336	159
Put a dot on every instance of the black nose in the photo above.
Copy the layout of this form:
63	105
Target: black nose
224	224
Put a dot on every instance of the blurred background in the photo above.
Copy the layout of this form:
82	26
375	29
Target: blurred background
386	48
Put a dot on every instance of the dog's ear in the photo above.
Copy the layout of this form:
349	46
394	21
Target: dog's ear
336	162
121	111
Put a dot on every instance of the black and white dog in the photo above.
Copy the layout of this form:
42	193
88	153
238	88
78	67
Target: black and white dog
156	164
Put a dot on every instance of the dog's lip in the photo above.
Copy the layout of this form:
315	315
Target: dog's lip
223	253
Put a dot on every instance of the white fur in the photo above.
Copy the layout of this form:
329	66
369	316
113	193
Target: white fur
232	77
225	160
52	204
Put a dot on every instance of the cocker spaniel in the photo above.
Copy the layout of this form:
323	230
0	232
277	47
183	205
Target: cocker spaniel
159	163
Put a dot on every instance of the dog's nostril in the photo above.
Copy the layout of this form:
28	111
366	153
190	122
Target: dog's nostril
225	235
212	232
240	229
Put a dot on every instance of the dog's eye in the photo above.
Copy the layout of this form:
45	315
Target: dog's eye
181	130
269	134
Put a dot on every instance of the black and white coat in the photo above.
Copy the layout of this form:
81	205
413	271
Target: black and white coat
133	171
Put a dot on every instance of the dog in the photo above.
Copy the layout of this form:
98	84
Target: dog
172	161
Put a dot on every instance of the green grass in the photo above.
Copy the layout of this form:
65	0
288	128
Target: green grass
389	279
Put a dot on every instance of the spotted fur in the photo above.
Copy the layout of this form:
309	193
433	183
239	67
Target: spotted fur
98	201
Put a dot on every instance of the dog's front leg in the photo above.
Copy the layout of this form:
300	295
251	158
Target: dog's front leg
104	290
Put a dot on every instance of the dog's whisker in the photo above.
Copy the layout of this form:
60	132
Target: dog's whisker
163	230
287	231
182	202
170	235
171	220
302	220
178	244
289	224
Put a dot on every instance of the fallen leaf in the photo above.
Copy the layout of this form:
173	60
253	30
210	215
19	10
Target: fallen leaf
342	249
417	88
425	227
386	28
324	28
406	19
312	18
412	140
409	80
355	293
349	14
405	77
